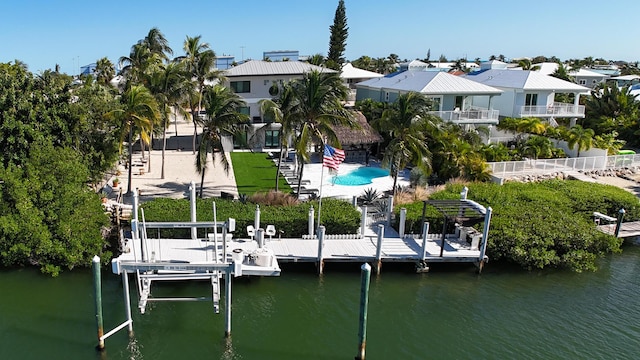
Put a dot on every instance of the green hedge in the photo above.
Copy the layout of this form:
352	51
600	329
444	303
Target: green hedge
541	224
339	217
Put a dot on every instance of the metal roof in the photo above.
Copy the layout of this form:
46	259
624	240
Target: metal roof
465	212
266	68
351	72
430	83
523	79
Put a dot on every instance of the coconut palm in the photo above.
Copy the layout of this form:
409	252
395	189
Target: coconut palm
580	137
318	107
200	62
157	44
104	71
408	122
222	118
139	113
282	111
169	85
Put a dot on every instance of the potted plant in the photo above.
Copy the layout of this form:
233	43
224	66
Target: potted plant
116	181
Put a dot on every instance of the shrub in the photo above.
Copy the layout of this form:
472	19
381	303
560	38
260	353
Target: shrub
337	216
538	225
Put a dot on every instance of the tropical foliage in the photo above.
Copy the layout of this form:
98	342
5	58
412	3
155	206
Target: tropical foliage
338	39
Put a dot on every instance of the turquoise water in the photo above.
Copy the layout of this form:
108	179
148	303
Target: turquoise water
360	176
449	313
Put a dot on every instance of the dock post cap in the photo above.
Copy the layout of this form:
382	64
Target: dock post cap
366	267
622	211
96	259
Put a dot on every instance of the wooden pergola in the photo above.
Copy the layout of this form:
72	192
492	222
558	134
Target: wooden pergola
464	212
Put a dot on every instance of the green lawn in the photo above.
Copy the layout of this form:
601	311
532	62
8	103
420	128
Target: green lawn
255	172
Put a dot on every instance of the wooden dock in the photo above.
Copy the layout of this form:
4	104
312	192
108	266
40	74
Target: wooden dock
627	229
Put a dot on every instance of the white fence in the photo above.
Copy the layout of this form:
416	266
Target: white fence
545	166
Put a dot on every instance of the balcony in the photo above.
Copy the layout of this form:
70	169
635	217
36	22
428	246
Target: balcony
556	110
472	116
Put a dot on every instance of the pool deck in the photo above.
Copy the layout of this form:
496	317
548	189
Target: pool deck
313	175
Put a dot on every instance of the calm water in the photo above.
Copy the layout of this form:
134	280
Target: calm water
450	313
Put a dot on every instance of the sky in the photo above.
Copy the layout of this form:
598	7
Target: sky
43	33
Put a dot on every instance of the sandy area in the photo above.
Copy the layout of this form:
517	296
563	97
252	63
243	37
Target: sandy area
179	171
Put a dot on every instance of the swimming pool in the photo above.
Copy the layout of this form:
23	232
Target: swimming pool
360	176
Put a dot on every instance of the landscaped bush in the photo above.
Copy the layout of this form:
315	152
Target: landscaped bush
537	225
338	216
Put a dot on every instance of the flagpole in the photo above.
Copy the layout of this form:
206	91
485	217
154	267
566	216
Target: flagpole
321	183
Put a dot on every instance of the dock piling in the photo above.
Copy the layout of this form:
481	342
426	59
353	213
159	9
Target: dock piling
363	221
379	248
621	213
227	303
485	236
311	225
365	278
321	230
403	219
97	285
192	200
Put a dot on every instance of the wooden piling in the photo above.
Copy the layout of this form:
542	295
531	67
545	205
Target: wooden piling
321	230
365	277
621	213
97	285
379	248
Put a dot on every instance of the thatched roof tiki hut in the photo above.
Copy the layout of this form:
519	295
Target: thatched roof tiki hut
358	142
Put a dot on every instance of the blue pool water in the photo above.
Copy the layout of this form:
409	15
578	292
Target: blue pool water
360	176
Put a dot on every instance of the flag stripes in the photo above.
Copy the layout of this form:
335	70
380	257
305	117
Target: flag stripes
332	157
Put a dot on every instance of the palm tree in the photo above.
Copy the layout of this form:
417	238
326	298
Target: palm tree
407	121
282	111
581	137
318	107
222	118
104	71
526	64
157	44
169	85
200	62
562	72
139	112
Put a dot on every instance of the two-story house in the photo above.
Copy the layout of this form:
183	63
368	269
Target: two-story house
455	98
255	80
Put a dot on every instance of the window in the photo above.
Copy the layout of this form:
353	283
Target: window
271	138
240	140
582	82
241	86
243	110
531	100
386	96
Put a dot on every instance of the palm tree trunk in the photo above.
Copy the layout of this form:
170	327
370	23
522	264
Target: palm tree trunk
202	182
149	152
300	178
164	146
130	159
195	128
279	164
175	119
395	177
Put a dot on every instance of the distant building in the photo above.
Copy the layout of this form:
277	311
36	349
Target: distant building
88	69
225	61
281	55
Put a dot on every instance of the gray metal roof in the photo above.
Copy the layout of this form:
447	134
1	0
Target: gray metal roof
523	79
265	68
430	83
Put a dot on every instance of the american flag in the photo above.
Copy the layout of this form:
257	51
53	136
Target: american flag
332	157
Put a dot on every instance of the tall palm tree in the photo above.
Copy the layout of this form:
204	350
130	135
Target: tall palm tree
157	44
139	113
104	71
222	118
200	62
282	111
581	137
408	122
318	108
169	85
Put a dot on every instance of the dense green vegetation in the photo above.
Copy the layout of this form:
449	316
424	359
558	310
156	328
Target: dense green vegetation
537	225
254	172
337	216
53	147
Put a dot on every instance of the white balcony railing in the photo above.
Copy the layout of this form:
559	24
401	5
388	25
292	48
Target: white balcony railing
476	116
556	110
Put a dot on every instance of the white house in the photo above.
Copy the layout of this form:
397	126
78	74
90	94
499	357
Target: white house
254	80
456	99
530	94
